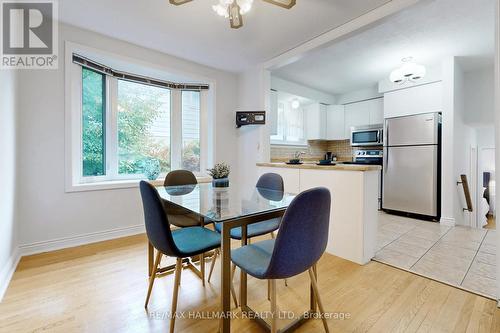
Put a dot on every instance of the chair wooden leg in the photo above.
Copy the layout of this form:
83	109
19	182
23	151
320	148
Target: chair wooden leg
274	312
268	290
318	299
233	292
152	277
216	253
178	272
202	268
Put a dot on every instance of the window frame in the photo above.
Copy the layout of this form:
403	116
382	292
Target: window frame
75	181
285	142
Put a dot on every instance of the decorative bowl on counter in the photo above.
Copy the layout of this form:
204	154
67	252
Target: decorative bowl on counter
294	161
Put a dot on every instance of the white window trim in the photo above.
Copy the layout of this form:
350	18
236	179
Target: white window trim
292	143
73	125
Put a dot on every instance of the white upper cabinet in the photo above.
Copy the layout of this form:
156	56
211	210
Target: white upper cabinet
415	100
376	107
335	121
315	118
364	113
356	114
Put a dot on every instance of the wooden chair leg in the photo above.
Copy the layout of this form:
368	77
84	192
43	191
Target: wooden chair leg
233	292
274	312
318	299
268	290
216	253
202	268
178	272
152	277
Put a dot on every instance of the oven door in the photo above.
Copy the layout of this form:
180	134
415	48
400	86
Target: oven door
370	137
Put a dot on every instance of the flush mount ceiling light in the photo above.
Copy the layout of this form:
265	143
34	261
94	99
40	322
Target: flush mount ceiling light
235	9
295	104
409	71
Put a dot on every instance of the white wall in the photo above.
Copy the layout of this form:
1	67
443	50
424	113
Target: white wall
253	141
46	213
8	226
359	95
300	90
479	96
464	139
479	113
448	181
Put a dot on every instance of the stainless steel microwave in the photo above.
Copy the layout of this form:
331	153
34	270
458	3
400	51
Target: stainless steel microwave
367	136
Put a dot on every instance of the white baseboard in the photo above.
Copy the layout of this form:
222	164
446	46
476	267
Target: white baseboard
447	221
66	242
7	272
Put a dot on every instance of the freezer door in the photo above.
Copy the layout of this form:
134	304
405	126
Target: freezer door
411	179
419	129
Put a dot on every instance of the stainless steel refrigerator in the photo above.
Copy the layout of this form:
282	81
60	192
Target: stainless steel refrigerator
412	165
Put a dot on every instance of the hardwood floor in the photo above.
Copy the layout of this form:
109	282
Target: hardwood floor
491	223
102	287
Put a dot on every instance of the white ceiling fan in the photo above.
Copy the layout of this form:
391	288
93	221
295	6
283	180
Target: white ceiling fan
235	9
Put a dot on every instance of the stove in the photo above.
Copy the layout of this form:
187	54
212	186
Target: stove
370	157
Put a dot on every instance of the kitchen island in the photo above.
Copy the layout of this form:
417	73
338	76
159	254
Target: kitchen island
354	210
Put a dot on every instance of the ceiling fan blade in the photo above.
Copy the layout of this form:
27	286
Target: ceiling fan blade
283	3
179	2
235	18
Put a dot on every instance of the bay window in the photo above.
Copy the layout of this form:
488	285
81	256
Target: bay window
122	121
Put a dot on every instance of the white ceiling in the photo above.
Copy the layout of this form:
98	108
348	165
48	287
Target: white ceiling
194	32
428	31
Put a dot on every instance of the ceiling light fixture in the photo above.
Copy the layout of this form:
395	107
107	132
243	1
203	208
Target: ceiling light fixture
235	9
295	104
409	71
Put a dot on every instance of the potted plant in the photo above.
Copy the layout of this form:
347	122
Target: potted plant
220	173
152	168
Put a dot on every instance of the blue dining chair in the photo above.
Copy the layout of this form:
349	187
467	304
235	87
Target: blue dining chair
180	243
300	243
268	181
180	217
177	216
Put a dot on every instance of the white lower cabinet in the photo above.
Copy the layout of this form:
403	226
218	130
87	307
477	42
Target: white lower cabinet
353	215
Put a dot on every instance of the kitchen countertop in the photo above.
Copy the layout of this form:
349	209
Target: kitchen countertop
339	167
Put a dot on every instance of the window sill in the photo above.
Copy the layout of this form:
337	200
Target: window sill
119	184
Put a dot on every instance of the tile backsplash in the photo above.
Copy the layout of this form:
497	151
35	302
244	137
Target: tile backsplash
315	150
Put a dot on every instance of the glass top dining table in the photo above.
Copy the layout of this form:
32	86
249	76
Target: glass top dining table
227	203
233	206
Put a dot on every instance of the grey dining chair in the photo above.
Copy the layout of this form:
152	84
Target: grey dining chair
300	243
182	218
180	243
272	182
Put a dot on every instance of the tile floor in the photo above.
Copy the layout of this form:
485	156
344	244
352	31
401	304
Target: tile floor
461	256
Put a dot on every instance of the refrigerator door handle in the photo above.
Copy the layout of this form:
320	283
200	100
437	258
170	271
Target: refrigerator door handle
387	132
386	159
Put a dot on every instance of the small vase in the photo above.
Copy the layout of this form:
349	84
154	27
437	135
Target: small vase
222	182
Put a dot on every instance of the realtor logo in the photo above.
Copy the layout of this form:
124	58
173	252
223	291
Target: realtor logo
29	34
